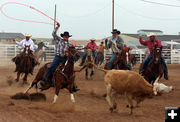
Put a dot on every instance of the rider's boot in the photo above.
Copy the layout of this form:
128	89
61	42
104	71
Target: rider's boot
45	84
31	72
166	76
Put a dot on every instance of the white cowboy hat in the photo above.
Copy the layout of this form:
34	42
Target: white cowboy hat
152	34
27	35
93	39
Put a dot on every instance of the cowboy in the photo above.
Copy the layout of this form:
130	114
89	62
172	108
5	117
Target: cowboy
62	45
151	43
93	47
41	45
23	43
116	44
101	48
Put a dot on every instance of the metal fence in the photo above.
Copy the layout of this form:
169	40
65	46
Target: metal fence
171	56
7	52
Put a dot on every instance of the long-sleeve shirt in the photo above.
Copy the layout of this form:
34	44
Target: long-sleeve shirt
25	42
91	45
60	44
116	44
150	44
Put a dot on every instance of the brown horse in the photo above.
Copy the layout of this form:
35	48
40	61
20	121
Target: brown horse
62	78
100	58
88	63
133	59
25	64
122	61
154	70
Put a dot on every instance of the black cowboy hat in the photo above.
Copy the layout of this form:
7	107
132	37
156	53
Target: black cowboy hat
116	31
65	34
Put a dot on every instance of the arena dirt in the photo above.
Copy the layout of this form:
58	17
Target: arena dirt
90	106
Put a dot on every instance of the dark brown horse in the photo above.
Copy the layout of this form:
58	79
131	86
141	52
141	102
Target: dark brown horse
122	60
63	78
25	64
154	70
100	58
133	59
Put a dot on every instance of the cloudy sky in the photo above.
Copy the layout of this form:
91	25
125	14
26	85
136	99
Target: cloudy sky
86	19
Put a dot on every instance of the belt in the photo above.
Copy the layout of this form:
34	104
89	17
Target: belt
61	55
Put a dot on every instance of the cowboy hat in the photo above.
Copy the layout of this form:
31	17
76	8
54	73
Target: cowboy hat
65	34
92	39
152	34
27	35
116	31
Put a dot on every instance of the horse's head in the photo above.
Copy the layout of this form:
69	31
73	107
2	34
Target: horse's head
89	51
157	55
125	56
73	54
27	49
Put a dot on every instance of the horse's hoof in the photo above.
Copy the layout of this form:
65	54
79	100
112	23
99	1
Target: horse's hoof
111	110
115	106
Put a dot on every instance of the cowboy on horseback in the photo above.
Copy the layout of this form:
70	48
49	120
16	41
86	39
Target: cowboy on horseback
116	44
41	45
151	44
39	53
25	42
100	53
92	45
101	48
62	45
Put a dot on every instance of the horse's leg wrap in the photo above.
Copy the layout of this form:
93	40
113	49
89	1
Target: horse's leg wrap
56	94
55	98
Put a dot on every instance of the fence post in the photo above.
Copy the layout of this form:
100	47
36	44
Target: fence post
15	50
140	56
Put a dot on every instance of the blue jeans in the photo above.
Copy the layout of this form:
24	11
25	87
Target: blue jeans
53	65
111	61
148	59
93	53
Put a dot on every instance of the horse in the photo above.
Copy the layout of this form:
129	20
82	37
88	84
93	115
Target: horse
89	61
39	53
133	59
122	62
62	77
154	71
100	58
25	64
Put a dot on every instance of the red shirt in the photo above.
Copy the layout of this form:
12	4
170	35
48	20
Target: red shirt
150	44
91	45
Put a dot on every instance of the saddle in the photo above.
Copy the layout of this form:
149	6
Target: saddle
59	69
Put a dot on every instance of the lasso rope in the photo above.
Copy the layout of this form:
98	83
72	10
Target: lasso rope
31	7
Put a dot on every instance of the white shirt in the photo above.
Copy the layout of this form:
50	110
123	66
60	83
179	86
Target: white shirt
24	42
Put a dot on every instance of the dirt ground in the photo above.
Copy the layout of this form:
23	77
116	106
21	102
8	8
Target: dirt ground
90	106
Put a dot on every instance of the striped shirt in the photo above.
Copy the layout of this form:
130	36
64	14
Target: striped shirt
60	44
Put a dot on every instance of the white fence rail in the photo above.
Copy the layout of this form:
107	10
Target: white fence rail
7	52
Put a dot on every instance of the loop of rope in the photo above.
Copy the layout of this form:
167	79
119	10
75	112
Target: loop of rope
31	7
